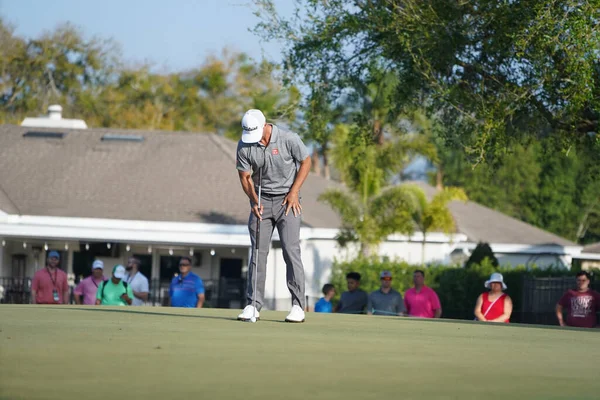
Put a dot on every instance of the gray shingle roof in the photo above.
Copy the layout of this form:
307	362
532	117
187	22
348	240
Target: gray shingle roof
170	176
482	224
592	248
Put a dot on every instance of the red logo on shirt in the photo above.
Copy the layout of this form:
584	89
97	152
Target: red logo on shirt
275	152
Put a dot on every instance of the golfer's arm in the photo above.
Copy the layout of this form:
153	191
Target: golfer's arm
248	186
77	298
66	297
301	176
559	314
98	302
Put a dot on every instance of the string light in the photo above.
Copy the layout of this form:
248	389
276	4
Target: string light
170	252
232	251
128	248
3	243
66	246
87	246
24	245
46	246
212	252
191	251
149	249
108	245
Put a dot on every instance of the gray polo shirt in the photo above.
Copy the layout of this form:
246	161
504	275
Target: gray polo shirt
353	302
280	160
390	303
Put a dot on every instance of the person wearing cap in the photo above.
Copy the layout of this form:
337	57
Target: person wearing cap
50	284
421	301
385	300
285	164
138	282
581	304
187	288
495	305
88	287
115	292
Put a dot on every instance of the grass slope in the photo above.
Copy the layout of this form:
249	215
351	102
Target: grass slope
72	352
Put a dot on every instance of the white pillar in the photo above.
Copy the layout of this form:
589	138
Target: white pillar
2	263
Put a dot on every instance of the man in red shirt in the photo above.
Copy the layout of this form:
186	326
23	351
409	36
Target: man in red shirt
581	304
49	284
421	301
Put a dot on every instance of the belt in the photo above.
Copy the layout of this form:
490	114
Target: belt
272	195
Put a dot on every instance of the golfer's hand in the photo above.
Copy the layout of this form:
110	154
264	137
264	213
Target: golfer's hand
291	201
258	212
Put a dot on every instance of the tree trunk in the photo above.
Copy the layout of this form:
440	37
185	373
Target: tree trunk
316	163
423	250
326	169
378	132
438	179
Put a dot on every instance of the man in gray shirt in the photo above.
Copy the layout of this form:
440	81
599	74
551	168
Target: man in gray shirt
355	299
285	164
385	300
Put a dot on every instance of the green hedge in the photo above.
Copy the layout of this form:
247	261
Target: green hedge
457	287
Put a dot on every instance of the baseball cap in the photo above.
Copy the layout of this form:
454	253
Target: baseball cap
385	274
253	123
98	264
119	271
53	253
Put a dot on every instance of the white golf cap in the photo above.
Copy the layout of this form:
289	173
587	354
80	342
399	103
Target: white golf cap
253	123
495	277
119	271
98	264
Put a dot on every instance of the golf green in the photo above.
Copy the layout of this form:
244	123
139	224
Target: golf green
75	352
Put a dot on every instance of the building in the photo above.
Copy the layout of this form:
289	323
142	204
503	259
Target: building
109	194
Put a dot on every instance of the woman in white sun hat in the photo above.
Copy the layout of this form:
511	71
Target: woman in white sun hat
495	305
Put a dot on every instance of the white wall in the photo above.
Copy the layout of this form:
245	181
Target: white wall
541	261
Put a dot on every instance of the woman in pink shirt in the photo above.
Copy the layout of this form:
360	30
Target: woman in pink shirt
421	301
88	287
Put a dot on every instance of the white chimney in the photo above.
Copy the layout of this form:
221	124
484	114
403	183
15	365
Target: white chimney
55	112
54	119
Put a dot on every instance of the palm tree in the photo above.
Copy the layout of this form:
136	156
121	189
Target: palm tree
433	215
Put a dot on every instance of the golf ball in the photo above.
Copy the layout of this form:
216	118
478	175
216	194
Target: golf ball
253	320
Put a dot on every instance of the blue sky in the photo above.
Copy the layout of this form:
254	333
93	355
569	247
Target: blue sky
174	35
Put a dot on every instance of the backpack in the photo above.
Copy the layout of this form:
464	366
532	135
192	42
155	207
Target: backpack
104	285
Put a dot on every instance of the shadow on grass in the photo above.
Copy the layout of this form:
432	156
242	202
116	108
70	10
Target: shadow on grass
132	312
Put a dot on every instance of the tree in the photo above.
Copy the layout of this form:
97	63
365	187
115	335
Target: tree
433	215
501	70
481	252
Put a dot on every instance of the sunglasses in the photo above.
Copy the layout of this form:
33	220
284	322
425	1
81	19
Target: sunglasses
582	280
386	279
184	265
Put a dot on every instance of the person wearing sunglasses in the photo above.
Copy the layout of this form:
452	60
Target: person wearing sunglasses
187	288
581	304
385	300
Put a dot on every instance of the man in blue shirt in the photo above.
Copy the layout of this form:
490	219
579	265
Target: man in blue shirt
324	303
187	289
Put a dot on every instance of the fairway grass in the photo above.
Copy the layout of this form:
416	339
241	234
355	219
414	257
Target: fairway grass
75	352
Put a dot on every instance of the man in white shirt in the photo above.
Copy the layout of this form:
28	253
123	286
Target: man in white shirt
137	281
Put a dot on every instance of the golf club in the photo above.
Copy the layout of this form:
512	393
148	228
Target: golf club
257	245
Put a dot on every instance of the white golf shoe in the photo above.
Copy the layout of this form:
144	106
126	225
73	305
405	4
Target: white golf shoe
248	313
296	315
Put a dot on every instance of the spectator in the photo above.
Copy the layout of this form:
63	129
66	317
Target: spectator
385	300
137	281
115	292
354	301
88	287
187	289
495	305
49	284
421	301
581	304
324	303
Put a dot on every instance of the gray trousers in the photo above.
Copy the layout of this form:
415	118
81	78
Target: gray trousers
289	233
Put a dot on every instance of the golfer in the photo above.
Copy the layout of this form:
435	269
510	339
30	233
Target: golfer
282	160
